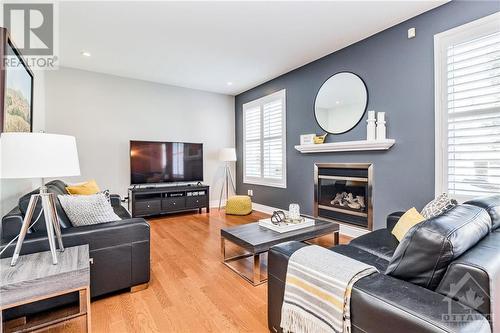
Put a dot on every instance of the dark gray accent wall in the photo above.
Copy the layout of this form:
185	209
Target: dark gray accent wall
399	74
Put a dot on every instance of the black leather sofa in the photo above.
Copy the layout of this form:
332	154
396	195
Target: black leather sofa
455	288
119	250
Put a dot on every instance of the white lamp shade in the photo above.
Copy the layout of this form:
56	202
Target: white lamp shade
38	155
227	154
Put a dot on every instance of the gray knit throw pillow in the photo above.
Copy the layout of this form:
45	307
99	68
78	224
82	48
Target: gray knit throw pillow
438	206
87	209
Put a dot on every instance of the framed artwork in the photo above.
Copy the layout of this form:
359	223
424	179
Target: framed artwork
16	88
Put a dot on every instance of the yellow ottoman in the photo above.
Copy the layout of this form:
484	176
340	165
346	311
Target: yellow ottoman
239	205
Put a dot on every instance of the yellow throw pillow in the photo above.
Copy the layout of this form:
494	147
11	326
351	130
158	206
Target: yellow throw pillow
406	221
86	188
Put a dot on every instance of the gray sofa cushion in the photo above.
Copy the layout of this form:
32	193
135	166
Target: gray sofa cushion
429	247
88	209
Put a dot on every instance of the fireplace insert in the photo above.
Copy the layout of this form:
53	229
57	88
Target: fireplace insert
343	193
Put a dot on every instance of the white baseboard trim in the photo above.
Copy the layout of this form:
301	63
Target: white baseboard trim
344	229
352	231
263	208
215	204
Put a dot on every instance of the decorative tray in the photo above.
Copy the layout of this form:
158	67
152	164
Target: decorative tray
286	226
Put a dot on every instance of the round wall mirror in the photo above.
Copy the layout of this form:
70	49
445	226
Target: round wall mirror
341	103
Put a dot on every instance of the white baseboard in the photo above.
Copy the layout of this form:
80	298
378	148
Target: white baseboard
263	208
344	229
215	204
352	231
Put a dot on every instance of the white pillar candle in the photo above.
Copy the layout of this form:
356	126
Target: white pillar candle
381	116
371	115
370	126
381	130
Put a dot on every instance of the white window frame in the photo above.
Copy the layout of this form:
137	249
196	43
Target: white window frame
281	183
482	26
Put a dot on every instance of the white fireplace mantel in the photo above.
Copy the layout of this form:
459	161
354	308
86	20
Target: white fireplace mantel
360	145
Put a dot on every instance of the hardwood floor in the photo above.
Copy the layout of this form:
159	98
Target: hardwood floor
190	289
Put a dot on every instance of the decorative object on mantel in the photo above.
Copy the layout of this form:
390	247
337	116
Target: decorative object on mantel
319	139
307	139
360	145
381	131
370	126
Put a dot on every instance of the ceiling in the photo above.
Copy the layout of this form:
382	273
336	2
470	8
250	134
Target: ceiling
205	45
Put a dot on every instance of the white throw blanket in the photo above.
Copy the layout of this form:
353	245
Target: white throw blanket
318	291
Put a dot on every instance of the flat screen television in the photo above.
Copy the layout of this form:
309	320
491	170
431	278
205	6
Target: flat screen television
165	162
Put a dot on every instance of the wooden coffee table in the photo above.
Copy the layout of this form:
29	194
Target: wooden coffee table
35	278
256	240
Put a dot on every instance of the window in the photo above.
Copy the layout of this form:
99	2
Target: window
264	141
467	72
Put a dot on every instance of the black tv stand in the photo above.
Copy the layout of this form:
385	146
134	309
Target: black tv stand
150	201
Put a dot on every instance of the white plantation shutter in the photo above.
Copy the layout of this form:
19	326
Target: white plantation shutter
470	110
253	142
273	139
264	141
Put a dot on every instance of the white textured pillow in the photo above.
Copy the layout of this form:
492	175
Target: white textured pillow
87	209
438	206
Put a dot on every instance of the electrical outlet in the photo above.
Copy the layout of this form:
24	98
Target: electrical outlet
250	193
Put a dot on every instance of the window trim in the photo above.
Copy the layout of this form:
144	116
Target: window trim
441	41
282	183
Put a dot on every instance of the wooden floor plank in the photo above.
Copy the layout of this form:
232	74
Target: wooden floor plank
190	289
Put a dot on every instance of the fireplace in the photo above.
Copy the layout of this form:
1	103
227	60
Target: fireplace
343	193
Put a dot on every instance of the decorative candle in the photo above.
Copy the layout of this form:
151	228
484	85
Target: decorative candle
370	127
381	130
294	211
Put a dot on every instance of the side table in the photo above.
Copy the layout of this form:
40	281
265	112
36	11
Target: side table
35	278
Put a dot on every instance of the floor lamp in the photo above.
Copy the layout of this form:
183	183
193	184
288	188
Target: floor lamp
39	155
227	155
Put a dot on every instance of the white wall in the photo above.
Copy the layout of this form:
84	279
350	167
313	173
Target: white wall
12	189
104	112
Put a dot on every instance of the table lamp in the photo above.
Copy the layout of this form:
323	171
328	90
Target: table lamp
227	155
39	155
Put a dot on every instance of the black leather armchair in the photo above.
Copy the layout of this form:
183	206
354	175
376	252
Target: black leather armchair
119	250
382	303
